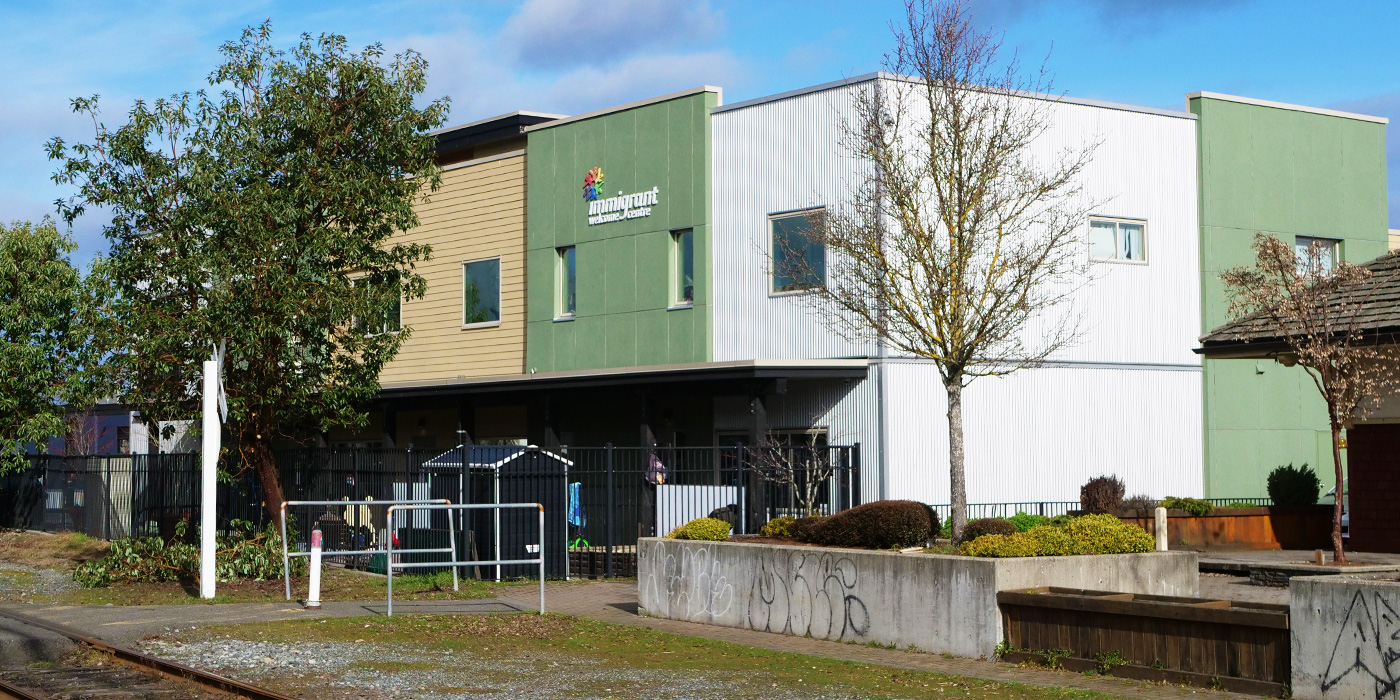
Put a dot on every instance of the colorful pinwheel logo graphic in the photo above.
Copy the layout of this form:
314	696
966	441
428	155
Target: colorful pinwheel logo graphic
593	184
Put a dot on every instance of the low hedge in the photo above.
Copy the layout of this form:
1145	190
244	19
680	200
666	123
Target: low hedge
778	527
708	529
1025	521
875	525
805	529
1192	506
989	526
1089	534
244	553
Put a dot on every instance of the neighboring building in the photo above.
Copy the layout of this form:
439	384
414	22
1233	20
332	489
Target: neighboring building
1302	174
1373	439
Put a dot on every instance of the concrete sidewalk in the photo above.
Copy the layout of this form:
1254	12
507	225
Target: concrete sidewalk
612	602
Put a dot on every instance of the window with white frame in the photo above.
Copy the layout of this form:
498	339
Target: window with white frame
565	279
1117	240
682	268
1316	256
481	292
799	263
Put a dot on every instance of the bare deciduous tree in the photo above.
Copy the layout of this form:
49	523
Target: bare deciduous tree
963	241
801	462
1317	312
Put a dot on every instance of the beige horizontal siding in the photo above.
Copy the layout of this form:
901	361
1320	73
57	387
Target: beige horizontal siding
478	212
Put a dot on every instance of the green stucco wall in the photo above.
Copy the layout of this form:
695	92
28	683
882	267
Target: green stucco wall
623	267
1287	173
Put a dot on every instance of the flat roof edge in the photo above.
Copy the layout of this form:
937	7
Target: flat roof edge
1284	105
630	105
881	75
651	370
796	93
498	117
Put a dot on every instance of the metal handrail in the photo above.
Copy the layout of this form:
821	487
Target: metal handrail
388	524
390	565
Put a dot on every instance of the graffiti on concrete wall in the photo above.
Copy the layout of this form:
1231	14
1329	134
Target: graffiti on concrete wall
805	594
686	583
1367	647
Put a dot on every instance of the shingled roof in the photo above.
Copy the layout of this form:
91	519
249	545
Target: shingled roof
1378	316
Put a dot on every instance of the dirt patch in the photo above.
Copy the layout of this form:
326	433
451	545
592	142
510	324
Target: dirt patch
43	550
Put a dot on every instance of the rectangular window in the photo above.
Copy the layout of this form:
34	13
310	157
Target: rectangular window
1116	240
682	268
481	292
798	262
1316	256
565	298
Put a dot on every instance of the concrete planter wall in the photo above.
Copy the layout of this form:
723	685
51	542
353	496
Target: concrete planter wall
1265	527
1346	637
935	603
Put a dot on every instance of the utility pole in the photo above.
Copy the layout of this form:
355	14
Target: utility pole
213	404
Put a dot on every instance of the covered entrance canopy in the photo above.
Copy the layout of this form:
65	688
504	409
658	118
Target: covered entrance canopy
1372	307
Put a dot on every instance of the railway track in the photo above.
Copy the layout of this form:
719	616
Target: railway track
131	674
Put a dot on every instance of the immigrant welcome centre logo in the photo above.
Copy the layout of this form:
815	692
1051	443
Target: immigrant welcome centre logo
603	210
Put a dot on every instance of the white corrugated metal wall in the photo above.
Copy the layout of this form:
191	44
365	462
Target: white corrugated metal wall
1125	399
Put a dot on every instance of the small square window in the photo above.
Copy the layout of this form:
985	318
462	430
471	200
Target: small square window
1316	256
682	268
481	292
1117	240
565	296
798	262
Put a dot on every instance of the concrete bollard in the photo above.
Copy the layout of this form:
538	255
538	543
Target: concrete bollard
313	597
1160	525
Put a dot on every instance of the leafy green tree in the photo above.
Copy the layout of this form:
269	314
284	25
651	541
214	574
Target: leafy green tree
262	217
43	343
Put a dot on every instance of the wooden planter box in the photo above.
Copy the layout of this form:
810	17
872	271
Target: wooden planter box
1265	527
1243	647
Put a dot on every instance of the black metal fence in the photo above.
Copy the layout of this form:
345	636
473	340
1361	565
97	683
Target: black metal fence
118	496
598	500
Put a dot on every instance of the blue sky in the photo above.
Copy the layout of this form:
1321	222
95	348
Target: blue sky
563	56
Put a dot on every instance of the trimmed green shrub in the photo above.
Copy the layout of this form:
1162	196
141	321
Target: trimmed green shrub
1192	506
1090	534
1106	534
778	527
805	529
1294	487
988	526
1103	494
1061	520
243	554
876	525
1026	521
1240	504
708	529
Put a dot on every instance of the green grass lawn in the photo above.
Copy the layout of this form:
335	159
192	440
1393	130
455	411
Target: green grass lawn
629	655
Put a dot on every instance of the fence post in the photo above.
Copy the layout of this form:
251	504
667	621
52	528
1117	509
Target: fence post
854	475
743	492
608	557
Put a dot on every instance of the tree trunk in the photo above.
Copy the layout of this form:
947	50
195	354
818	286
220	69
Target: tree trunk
956	472
1338	554
265	466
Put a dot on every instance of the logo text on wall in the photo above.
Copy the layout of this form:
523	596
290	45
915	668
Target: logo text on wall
603	210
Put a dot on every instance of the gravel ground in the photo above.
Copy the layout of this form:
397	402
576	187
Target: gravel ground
368	670
19	583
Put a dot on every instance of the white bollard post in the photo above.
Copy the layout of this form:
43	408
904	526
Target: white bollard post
313	597
1161	527
208	479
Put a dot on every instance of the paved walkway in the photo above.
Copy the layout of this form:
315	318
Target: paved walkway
612	602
